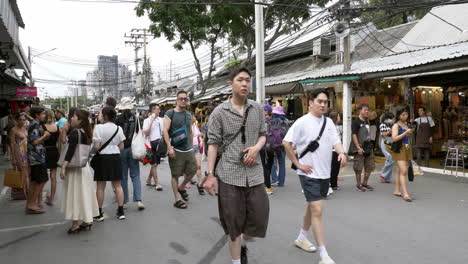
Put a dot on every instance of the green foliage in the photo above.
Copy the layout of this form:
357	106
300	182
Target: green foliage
55	102
385	18
232	63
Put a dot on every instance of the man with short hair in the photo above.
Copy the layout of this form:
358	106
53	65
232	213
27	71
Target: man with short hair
153	129
177	131
110	101
37	159
237	131
314	166
362	149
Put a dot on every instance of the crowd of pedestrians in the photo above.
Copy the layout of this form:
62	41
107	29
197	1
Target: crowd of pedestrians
245	145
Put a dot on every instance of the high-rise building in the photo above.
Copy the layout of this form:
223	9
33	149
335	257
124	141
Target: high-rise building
94	90
108	66
125	83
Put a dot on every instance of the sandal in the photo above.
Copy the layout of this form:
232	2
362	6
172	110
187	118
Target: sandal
150	185
184	194
85	226
201	191
407	198
180	204
397	194
33	211
159	188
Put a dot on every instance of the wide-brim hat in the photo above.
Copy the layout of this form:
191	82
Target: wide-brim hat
125	103
278	110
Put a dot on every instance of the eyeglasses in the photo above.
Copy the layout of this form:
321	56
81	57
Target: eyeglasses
183	99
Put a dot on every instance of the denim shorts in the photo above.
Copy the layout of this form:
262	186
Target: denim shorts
314	189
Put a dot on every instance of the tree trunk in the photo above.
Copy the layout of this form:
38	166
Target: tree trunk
197	62
210	71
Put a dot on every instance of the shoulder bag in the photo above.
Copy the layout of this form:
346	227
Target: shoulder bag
313	145
80	157
95	160
138	142
161	150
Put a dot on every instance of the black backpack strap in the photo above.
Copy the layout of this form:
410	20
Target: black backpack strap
240	129
108	141
323	128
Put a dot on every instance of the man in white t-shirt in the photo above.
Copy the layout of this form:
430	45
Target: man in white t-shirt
314	167
153	127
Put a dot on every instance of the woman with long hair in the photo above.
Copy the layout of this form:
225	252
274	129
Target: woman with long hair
401	131
79	202
198	150
18	136
108	166
52	152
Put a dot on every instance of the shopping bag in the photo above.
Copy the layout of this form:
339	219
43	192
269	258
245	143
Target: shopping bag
13	178
138	143
416	169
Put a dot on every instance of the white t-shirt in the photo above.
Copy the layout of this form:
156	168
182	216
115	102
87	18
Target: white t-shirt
425	119
156	128
307	129
103	132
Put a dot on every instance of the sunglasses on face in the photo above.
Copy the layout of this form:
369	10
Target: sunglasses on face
183	99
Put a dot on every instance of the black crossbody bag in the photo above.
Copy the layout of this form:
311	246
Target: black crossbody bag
95	160
224	146
313	145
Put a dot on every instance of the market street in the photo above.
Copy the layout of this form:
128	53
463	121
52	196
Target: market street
361	228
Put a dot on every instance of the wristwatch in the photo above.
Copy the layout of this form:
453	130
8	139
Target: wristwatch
208	172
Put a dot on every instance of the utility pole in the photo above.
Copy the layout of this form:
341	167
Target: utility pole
260	53
170	71
347	85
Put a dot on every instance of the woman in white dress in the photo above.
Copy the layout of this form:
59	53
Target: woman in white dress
79	202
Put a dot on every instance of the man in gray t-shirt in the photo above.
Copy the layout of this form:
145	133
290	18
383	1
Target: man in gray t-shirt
178	137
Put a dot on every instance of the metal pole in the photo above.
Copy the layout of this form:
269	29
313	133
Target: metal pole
347	90
260	53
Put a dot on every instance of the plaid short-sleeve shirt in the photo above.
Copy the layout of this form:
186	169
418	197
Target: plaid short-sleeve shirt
223	124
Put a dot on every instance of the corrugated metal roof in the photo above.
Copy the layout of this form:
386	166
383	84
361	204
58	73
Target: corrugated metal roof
431	30
380	64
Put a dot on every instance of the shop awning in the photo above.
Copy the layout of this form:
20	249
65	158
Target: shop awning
5	78
283	89
337	79
427	73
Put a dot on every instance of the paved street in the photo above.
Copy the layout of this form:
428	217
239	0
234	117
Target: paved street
361	228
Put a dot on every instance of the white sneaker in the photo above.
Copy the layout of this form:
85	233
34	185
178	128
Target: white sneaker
140	206
327	260
305	245
330	191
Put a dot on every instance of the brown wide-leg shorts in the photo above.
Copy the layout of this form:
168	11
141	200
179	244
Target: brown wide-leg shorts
243	210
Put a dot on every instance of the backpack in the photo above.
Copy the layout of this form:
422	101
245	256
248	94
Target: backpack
276	131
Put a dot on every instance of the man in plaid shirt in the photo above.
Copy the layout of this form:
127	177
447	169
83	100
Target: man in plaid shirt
239	171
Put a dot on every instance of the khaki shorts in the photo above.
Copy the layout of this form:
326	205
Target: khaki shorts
184	163
362	162
243	210
405	153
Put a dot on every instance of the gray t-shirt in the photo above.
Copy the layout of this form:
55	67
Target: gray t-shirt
180	137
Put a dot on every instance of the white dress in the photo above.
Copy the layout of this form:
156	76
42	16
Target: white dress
79	201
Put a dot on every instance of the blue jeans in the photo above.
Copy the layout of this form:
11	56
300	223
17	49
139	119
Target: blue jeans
280	157
129	163
387	170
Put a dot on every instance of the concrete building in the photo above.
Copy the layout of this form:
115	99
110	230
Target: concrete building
108	66
125	82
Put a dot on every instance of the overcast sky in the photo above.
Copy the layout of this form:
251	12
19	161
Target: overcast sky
84	31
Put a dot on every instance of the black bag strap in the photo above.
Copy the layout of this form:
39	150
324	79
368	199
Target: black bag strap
318	138
108	141
244	121
172	117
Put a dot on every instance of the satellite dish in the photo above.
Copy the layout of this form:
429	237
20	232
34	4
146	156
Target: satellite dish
341	29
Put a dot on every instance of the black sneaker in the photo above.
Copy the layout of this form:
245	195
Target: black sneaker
360	188
244	255
120	215
367	187
98	218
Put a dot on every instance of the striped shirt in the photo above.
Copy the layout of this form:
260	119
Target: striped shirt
224	123
384	128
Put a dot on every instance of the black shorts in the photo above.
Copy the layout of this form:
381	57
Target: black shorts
243	210
155	158
39	173
314	189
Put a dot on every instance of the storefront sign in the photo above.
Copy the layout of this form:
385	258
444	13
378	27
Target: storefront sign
26	91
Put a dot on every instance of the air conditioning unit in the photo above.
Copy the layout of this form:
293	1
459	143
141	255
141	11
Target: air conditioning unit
321	48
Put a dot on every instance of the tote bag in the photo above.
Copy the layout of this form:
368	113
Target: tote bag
80	157
13	179
138	142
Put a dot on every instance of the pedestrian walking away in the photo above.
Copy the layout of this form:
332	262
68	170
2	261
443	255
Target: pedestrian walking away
335	166
37	160
198	150
362	149
315	136
130	126
108	141
237	132
79	202
424	132
277	127
52	153
178	136
386	174
267	157
402	152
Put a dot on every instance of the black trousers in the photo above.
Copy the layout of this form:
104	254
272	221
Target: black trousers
267	163
335	170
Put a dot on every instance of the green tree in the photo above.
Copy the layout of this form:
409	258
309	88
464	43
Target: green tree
195	25
389	17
